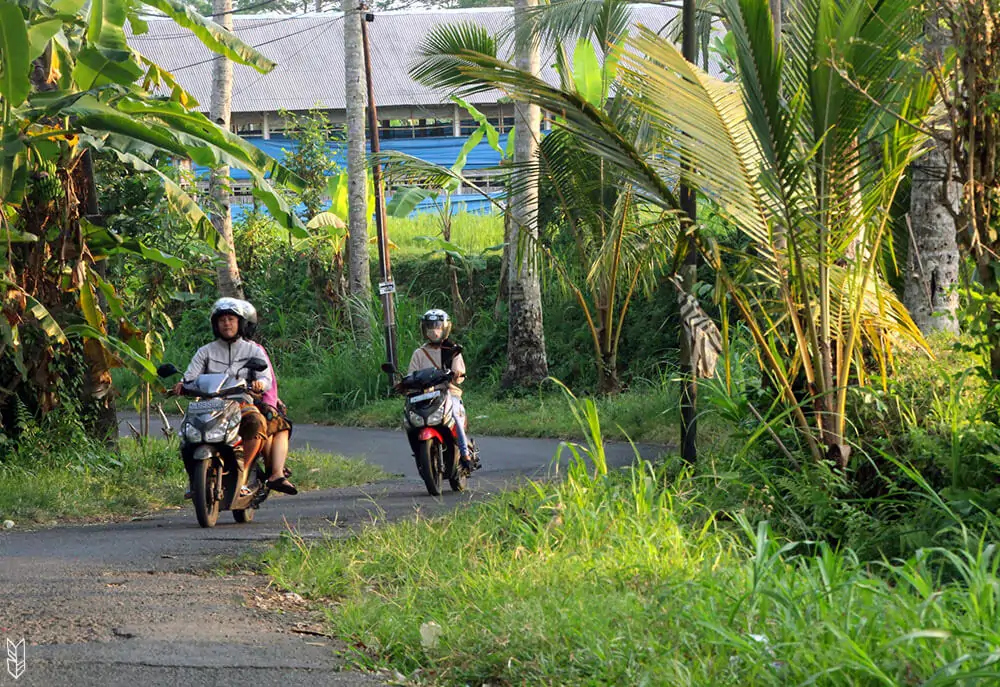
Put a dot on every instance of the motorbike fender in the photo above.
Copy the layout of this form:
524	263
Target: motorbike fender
203	452
430	433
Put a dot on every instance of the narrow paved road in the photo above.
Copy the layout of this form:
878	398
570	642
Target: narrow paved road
145	602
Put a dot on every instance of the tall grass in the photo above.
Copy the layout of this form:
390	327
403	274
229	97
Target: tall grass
472	232
628	578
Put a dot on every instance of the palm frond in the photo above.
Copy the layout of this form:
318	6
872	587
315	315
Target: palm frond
443	56
566	21
704	121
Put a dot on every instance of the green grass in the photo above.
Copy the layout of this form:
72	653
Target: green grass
648	415
92	483
473	232
627	578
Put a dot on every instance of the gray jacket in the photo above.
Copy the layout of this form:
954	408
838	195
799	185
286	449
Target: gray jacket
223	357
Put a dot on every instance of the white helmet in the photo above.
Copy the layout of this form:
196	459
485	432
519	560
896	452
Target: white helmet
435	325
251	325
229	306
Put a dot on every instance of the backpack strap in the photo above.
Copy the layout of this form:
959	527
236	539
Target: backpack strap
429	358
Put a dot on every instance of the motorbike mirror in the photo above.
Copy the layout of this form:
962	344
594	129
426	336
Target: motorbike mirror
166	370
256	364
388	368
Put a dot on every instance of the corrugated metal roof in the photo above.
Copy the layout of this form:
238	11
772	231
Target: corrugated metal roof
308	50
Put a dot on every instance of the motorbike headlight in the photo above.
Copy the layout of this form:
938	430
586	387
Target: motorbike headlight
437	416
416	420
192	433
215	434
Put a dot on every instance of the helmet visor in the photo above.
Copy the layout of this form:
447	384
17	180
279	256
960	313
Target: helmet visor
434	331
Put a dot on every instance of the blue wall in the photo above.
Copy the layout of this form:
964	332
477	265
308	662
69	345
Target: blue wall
439	150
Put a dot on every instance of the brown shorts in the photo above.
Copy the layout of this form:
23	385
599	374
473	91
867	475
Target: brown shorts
252	422
277	421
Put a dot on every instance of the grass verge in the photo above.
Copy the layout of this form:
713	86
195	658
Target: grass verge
92	484
645	416
626	578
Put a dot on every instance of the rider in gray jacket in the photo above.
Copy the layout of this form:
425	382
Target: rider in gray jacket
227	357
229	353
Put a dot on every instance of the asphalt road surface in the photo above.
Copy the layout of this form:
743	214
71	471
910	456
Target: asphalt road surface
146	602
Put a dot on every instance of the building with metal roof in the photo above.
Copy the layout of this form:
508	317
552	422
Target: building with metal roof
308	50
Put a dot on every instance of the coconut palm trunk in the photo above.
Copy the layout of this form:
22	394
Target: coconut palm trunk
930	291
228	271
526	361
359	274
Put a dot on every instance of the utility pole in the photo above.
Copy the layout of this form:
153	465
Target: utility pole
689	275
359	275
386	287
228	273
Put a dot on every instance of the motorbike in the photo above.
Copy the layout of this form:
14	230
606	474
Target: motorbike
212	449
429	422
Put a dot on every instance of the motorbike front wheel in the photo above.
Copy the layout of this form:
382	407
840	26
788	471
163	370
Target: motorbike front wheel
244	515
457	477
429	465
206	502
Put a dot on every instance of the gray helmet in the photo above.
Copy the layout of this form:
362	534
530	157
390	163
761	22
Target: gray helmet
435	325
229	306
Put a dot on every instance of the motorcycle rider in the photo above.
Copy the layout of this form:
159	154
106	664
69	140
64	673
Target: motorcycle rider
279	427
440	352
228	354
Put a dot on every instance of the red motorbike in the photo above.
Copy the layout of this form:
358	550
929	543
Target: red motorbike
430	424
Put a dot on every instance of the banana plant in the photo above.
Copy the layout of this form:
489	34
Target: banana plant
72	88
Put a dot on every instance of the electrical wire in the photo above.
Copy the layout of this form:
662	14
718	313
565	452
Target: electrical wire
242	9
183	34
288	59
257	45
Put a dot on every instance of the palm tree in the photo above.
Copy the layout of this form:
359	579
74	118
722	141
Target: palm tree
787	155
602	248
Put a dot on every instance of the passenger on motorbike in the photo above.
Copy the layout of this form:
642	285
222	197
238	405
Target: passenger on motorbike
442	353
228	354
279	427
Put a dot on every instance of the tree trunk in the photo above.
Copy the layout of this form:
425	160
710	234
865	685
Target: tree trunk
930	292
98	400
459	311
509	236
776	19
229	281
688	272
526	362
359	274
607	374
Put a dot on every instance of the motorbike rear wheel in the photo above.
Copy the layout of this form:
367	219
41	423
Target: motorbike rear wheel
428	465
206	502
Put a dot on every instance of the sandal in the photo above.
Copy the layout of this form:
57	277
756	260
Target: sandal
283	485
